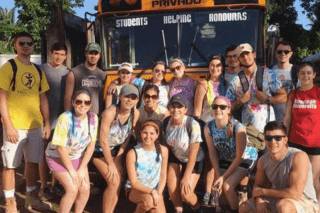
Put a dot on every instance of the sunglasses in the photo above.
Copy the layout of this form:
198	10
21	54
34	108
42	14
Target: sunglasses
222	107
79	102
276	137
283	51
154	97
23	43
158	71
175	68
132	97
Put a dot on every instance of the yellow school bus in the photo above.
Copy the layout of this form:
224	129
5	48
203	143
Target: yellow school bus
142	32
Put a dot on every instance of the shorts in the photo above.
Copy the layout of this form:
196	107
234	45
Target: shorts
114	152
247	164
56	165
198	167
304	205
30	144
308	150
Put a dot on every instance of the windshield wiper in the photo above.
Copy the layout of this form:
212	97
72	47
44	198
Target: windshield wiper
195	48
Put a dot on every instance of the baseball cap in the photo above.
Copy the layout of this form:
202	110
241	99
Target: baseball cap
126	66
243	48
179	99
129	89
93	47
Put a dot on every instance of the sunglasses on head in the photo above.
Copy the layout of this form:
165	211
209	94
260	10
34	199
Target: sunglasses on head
160	71
276	137
154	97
173	69
79	102
222	107
23	43
283	51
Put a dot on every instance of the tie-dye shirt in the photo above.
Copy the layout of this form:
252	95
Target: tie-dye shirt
254	111
148	167
177	138
186	88
74	135
227	146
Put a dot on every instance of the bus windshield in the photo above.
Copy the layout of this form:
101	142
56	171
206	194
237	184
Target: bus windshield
142	39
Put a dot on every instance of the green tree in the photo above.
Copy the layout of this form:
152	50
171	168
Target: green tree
8	28
36	14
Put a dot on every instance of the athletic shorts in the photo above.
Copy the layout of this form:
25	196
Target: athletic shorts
308	150
56	165
198	167
30	144
246	164
305	205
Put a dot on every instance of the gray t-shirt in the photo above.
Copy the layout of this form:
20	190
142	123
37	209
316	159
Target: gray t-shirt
278	173
56	78
94	81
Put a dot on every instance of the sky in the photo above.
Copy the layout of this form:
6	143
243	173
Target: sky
89	7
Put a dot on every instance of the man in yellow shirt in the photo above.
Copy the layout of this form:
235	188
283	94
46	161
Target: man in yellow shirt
25	116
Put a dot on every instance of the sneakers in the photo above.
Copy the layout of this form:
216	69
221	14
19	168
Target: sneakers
206	199
11	205
33	201
45	194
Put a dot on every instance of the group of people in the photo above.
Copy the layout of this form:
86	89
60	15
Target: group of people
149	134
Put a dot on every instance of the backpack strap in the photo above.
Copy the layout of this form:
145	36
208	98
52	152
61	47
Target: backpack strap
294	77
244	81
189	126
259	78
14	69
40	75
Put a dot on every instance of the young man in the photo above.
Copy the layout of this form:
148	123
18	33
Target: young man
233	64
56	73
283	182
256	104
87	75
287	74
25	117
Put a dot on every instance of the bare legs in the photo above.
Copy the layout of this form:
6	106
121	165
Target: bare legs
77	194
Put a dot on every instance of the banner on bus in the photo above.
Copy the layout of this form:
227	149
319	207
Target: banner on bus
174	4
184	4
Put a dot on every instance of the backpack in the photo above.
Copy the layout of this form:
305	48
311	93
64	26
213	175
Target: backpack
15	69
255	137
189	129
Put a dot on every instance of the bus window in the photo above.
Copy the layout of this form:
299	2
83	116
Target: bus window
190	35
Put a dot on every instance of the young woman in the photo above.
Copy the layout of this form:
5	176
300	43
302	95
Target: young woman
152	110
147	170
125	71
226	141
182	83
117	127
303	118
158	78
207	90
70	150
186	156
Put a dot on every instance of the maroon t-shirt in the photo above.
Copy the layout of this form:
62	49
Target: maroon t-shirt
306	117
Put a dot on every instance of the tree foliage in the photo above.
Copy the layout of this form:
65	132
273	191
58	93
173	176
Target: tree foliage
36	14
8	28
